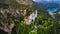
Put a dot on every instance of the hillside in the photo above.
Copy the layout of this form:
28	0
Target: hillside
25	2
14	12
16	2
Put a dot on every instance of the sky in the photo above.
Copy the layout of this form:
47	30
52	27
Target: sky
48	1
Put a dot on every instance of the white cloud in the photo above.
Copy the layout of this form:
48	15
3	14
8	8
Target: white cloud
37	0
46	0
34	0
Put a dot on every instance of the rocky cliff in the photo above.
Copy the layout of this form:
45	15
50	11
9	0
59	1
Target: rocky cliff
25	2
8	16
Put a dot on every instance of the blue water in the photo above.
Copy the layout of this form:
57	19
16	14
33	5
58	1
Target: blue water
52	9
46	2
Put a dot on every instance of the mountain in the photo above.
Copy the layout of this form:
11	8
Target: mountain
23	2
12	20
42	8
45	6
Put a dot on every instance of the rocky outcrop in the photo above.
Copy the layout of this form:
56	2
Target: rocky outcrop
9	17
25	2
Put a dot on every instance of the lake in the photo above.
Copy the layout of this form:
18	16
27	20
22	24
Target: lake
52	9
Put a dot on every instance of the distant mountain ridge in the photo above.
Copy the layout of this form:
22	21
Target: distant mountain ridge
39	6
47	5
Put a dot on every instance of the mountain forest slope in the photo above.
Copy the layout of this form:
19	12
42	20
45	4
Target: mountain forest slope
12	15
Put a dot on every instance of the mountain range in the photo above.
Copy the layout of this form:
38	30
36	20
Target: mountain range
36	5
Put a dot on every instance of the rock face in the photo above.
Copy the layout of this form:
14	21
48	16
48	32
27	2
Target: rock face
25	2
12	16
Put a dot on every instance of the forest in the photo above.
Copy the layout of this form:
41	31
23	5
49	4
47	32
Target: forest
12	21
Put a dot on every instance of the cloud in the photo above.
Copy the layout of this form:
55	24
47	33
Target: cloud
46	0
37	0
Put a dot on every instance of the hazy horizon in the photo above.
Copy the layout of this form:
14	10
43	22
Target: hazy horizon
47	1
